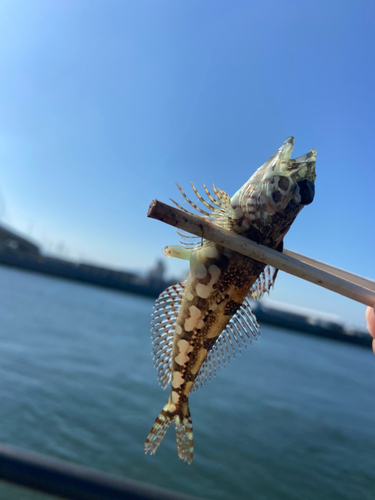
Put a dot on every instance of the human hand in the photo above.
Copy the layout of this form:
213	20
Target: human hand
370	318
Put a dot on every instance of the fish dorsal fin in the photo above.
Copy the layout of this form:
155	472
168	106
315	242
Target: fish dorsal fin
217	210
242	326
163	321
264	283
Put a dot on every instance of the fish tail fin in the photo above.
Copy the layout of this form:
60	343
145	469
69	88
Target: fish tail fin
158	430
183	427
184	435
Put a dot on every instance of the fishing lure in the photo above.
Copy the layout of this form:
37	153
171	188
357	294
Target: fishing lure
199	324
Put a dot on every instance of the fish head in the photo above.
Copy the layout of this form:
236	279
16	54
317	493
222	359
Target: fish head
274	195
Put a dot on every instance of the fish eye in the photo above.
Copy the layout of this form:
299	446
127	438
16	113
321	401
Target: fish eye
283	183
306	191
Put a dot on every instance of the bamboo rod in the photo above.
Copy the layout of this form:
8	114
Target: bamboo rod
337	280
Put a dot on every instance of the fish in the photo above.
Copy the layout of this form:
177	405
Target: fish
200	324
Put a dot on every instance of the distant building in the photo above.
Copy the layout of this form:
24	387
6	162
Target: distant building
157	273
107	273
16	251
11	242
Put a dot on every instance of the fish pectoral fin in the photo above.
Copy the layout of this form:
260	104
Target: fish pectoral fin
266	280
264	283
238	333
177	252
163	321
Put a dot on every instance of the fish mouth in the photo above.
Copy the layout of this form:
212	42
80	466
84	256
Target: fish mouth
300	168
286	149
281	164
286	153
307	158
304	168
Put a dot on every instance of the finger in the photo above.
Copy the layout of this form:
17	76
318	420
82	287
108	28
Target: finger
370	318
369	312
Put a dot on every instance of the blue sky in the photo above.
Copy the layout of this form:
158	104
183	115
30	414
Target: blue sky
105	105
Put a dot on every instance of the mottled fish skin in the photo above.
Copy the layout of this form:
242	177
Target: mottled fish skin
220	279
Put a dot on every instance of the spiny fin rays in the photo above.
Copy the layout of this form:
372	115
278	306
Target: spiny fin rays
194	205
238	333
264	283
201	199
221	212
163	321
222	202
210	197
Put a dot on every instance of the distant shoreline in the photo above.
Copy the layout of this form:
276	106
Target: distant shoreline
131	283
84	273
311	324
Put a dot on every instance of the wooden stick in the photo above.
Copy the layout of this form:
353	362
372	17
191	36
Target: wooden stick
350	285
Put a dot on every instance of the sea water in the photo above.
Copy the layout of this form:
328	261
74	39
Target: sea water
291	418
